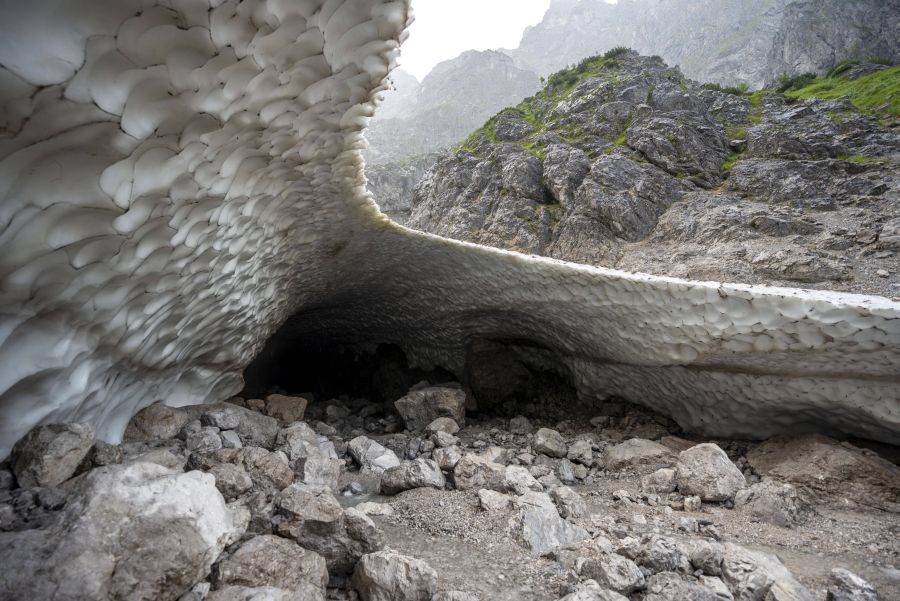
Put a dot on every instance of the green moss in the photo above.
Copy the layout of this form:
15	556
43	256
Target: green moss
876	94
858	159
730	160
736	133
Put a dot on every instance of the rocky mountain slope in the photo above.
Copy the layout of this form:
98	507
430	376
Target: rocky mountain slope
623	162
451	100
724	41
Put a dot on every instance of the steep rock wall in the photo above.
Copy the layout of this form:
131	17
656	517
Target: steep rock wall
179	177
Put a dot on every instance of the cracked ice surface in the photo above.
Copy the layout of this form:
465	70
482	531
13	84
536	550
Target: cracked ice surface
178	177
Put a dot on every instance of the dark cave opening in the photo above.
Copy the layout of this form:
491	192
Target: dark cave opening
324	371
501	377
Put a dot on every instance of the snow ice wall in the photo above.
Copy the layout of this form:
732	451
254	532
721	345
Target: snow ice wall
178	177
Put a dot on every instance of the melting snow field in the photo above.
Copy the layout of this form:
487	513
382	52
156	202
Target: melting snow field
179	177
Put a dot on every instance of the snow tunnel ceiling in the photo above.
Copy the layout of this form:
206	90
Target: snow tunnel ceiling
178	177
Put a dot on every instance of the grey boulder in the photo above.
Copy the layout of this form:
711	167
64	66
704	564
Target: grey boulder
421	407
390	576
707	472
273	561
549	442
540	526
139	532
419	473
774	502
49	455
844	585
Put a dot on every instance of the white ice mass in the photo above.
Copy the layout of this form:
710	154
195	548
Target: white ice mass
179	177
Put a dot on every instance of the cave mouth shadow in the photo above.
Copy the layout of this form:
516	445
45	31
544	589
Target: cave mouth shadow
503	378
380	373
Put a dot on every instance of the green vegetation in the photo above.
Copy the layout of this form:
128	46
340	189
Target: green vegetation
739	90
730	160
876	94
562	82
787	83
616	52
535	110
858	159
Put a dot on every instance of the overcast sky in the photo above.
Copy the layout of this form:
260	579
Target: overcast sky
445	28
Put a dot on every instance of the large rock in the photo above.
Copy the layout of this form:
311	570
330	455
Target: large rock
707	472
286	408
312	457
260	593
269	471
447	457
130	532
49	455
829	470
669	586
540	526
231	480
569	503
774	502
273	561
639	454
592	592
519	480
421	407
844	585
473	471
663	554
314	518
454	596
419	473
155	422
755	575
372	456
253	428
549	442
660	482
389	576
612	571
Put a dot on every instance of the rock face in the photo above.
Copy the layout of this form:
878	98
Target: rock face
619	163
166	208
140	531
49	455
776	36
457	96
392	183
815	35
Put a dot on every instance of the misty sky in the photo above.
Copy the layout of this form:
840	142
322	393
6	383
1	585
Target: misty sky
445	28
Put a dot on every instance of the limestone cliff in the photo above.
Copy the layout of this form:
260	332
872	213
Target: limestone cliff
725	41
452	99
